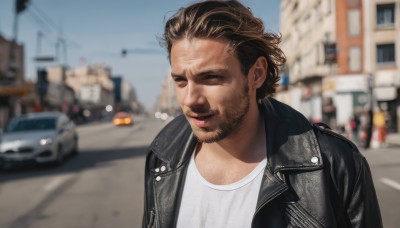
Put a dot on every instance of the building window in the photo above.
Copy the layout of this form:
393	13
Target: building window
329	9
385	15
355	59
385	53
354	22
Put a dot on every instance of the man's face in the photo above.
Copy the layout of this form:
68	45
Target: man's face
211	89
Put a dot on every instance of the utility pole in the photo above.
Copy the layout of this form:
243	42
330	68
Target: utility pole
12	68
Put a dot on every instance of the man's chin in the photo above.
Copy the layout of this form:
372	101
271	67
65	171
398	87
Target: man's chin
207	137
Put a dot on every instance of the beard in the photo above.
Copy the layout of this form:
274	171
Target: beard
231	121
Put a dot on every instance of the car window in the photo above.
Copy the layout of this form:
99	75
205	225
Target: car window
36	124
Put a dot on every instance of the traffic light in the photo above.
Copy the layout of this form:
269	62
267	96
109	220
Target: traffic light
20	5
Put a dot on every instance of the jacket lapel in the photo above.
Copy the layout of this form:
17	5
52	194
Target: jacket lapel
174	150
291	145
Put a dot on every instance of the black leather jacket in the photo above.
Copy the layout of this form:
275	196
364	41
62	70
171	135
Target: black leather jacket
313	178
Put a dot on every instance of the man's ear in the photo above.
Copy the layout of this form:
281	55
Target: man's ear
259	71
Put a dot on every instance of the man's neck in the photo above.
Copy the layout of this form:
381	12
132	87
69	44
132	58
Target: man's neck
232	158
243	141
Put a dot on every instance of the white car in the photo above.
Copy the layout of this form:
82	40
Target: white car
45	137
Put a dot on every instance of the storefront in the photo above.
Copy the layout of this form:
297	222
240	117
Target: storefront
386	93
348	95
306	98
10	102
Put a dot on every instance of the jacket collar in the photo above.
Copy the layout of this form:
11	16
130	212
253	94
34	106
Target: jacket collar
291	142
175	143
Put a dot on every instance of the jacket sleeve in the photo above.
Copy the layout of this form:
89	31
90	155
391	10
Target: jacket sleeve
363	208
356	201
145	210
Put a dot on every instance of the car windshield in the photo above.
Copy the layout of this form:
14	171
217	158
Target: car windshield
37	124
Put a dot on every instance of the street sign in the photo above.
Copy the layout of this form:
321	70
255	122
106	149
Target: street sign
44	59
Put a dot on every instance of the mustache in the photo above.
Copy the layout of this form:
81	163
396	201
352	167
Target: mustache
200	110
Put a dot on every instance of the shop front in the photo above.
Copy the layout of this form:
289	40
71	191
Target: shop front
386	93
344	96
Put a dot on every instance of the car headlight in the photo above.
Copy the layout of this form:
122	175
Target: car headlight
46	141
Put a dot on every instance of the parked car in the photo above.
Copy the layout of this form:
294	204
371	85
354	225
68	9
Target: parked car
122	118
45	137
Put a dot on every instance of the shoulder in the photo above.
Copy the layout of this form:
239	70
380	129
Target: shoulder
278	112
341	158
335	146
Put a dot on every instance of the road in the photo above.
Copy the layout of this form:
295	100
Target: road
103	185
385	168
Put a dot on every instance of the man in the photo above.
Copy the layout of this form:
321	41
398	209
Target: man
238	158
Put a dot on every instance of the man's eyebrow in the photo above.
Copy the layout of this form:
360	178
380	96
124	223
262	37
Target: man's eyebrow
213	71
203	73
176	75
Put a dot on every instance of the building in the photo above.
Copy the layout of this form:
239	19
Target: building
382	56
308	29
12	80
94	80
167	102
125	96
58	95
348	86
93	87
337	53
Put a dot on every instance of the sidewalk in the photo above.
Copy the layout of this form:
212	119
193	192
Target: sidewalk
393	139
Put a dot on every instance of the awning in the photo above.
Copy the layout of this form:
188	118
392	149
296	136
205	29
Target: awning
14	90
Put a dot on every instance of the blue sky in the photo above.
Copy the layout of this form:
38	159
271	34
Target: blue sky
97	30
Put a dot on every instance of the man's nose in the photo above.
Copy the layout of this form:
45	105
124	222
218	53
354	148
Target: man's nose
193	96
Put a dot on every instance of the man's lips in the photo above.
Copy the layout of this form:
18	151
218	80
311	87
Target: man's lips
200	116
201	120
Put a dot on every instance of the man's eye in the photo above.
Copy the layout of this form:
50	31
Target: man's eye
213	79
180	81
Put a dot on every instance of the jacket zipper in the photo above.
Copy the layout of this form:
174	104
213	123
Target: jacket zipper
151	221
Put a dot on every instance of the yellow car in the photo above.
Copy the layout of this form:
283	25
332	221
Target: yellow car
123	119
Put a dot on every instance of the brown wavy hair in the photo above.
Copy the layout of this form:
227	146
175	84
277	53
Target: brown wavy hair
233	21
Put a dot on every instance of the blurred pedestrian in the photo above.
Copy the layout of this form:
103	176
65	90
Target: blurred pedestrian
364	125
237	157
379	123
354	128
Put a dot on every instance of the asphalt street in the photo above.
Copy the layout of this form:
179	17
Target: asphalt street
385	168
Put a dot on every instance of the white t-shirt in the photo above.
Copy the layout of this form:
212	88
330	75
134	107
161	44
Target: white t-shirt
206	205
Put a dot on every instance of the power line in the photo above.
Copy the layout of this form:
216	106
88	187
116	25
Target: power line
43	26
51	24
48	20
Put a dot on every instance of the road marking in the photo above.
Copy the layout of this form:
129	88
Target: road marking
391	183
54	183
